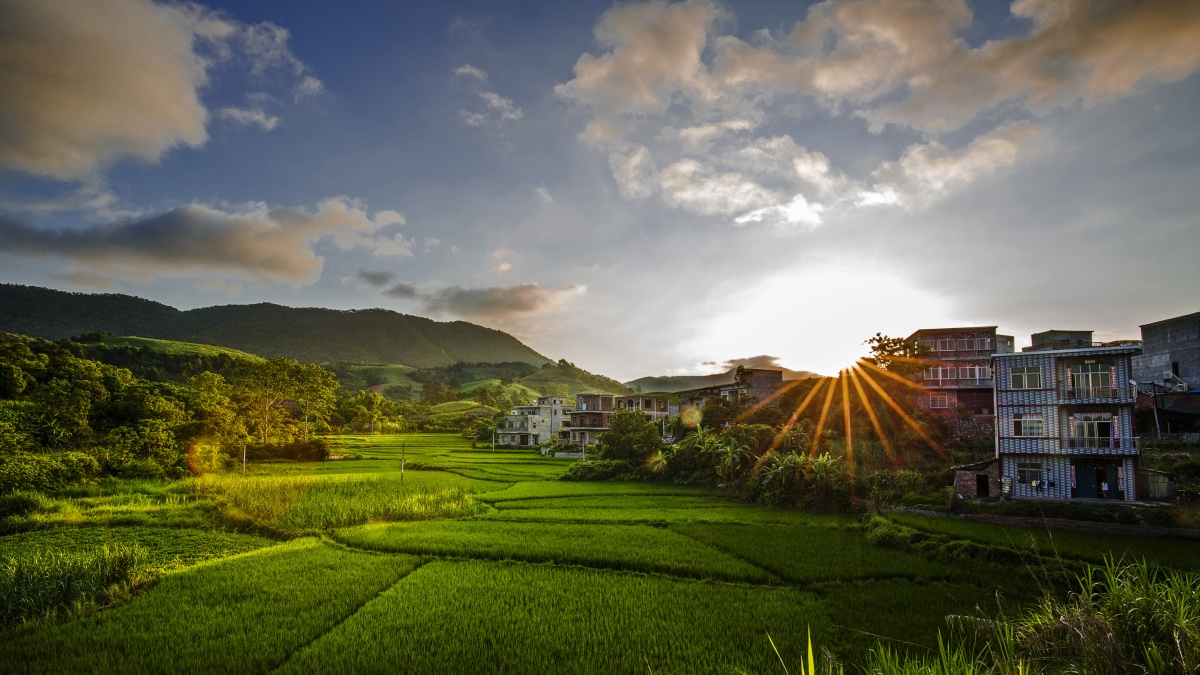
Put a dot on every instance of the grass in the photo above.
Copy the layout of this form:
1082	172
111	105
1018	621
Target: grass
245	614
1093	547
450	617
621	547
547	490
40	583
121	503
306	502
178	348
165	547
808	554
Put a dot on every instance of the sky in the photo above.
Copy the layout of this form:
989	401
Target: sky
641	188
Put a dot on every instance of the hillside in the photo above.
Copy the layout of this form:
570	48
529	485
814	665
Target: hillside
678	383
309	335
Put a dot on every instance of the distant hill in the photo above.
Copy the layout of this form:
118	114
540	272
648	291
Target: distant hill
310	335
678	383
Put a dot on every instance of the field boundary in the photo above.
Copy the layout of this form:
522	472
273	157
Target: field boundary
424	561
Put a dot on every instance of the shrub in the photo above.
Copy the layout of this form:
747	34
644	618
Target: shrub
314	450
45	472
607	469
22	503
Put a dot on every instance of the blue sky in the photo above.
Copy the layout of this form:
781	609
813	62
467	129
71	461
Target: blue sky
641	188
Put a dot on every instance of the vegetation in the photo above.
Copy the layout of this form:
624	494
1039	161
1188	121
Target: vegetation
41	583
313	335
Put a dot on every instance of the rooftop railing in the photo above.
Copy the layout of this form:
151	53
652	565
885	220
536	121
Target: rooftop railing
1101	443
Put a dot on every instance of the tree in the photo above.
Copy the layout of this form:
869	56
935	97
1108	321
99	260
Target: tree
262	389
894	354
315	391
630	435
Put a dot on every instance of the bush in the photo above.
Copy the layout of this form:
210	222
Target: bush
607	469
23	503
45	472
314	450
41	584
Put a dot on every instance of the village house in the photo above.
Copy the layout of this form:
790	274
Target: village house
1168	376
758	383
1064	418
531	425
657	408
590	418
958	372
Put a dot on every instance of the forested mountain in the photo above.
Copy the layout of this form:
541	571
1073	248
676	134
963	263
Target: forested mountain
309	335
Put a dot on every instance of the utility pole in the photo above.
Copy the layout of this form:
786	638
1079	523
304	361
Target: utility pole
243	458
403	446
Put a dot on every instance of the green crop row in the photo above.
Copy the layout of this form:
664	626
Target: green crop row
622	547
41	583
246	614
303	502
470	616
166	547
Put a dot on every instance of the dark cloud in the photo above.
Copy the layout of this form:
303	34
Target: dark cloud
498	303
760	361
402	290
254	243
375	277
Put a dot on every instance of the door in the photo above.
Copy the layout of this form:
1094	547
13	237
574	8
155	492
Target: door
1110	475
1085	481
981	485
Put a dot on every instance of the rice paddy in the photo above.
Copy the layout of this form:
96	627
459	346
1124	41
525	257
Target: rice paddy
477	561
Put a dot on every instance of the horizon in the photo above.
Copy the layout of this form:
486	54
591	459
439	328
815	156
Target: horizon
643	189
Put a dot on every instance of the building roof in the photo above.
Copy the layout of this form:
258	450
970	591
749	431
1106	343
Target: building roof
1130	347
954	328
1195	315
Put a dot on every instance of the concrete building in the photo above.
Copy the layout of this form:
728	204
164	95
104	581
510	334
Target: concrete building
958	374
657	408
590	418
532	425
759	383
1170	354
1064	418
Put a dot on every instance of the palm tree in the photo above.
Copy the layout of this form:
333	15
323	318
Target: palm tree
732	456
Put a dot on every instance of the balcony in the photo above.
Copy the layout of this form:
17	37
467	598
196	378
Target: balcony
1093	393
1102	443
959	383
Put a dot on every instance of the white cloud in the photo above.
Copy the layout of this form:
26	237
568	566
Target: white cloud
251	116
633	169
89	83
469	70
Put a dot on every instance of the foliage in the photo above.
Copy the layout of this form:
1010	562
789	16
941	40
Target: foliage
44	472
630	436
607	469
43	583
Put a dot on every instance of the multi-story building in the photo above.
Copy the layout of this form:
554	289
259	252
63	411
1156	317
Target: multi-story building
958	369
531	425
1064	419
657	408
759	383
589	419
1170	354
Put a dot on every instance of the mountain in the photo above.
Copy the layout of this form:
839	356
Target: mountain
310	335
676	383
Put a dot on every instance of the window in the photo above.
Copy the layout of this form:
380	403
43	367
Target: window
1026	377
966	344
983	344
1092	379
937	400
945	345
940	373
1028	424
1028	472
1093	426
974	373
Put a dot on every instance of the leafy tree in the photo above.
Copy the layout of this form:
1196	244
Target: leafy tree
261	390
630	436
894	354
315	391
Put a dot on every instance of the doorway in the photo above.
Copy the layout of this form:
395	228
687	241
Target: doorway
981	485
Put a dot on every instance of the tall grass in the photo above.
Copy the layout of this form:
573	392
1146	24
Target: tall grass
304	502
43	583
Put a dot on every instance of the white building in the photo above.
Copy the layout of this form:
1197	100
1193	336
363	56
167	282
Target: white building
531	425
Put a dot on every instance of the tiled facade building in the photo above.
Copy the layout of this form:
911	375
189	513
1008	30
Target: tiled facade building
958	372
1064	419
532	425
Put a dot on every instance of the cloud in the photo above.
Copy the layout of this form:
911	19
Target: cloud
375	277
217	285
89	83
402	290
503	267
669	88
252	242
928	171
250	116
469	70
654	50
499	303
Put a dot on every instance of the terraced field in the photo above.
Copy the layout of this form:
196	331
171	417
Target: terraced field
475	561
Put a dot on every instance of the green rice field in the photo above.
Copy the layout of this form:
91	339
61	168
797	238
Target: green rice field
475	561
